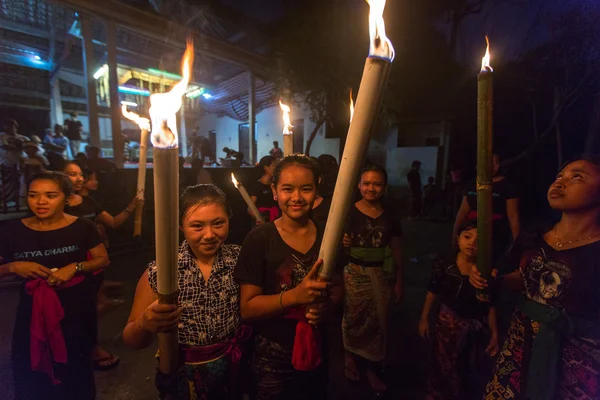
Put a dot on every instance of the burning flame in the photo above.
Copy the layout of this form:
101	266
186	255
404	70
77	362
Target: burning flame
143	123
381	46
235	181
286	119
351	106
164	106
485	61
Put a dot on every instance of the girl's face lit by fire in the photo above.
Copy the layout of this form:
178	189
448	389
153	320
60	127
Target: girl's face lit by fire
296	191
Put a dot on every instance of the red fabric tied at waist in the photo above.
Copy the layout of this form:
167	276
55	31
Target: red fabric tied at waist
47	344
306	354
231	348
473	215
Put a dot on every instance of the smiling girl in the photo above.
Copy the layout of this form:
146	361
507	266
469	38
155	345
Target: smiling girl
277	271
552	350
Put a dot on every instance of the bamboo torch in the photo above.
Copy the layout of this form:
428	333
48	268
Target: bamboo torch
246	197
163	111
144	125
288	137
485	108
364	118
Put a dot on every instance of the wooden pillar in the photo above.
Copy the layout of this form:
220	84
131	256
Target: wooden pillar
90	82
251	117
115	104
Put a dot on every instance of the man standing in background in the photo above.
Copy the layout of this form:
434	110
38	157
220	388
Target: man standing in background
73	129
414	184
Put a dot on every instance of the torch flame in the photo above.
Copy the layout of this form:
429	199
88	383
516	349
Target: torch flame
164	106
235	181
381	46
143	123
351	106
485	61
286	119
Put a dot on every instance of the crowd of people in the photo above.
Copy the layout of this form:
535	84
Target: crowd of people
253	318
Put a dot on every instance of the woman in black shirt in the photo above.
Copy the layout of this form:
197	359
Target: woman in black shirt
261	194
277	270
55	330
458	322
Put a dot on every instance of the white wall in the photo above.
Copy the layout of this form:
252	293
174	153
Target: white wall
399	162
270	128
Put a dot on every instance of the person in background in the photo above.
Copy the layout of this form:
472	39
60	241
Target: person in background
414	185
373	276
280	294
206	265
276	151
458	324
82	160
329	169
261	194
11	153
96	163
35	162
55	329
57	143
505	210
552	347
202	176
429	197
74	129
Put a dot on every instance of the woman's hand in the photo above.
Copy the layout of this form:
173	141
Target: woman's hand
29	270
347	241
318	313
62	275
424	328
133	204
492	347
310	290
160	317
478	281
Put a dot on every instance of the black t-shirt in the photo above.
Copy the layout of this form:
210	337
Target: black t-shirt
455	291
373	232
73	130
501	191
566	279
52	249
88	209
265	203
321	212
268	262
414	181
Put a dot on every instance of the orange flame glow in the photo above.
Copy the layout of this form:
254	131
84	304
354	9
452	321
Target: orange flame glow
485	61
381	46
351	106
286	119
143	123
235	181
164	106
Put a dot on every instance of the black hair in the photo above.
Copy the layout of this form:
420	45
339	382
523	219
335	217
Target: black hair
375	168
62	180
72	162
265	162
11	122
466	226
275	143
416	163
431	179
300	160
328	163
197	164
593	159
200	195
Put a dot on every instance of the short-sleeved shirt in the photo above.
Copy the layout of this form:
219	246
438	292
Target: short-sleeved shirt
52	249
455	291
566	279
501	191
88	209
373	232
265	203
210	309
73	131
11	158
60	141
268	262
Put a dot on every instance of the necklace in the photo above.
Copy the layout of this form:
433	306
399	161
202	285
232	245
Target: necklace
560	243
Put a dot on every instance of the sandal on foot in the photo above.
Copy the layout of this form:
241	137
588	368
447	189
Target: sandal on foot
106	363
351	374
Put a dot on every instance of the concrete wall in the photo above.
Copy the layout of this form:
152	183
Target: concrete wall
269	128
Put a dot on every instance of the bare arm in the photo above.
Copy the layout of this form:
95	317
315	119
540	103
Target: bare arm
461	216
493	322
99	259
256	306
428	305
114	222
512	211
134	336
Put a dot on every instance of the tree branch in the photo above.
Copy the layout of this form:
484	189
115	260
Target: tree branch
313	134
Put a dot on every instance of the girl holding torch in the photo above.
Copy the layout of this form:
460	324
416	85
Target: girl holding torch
280	293
209	345
261	194
373	236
